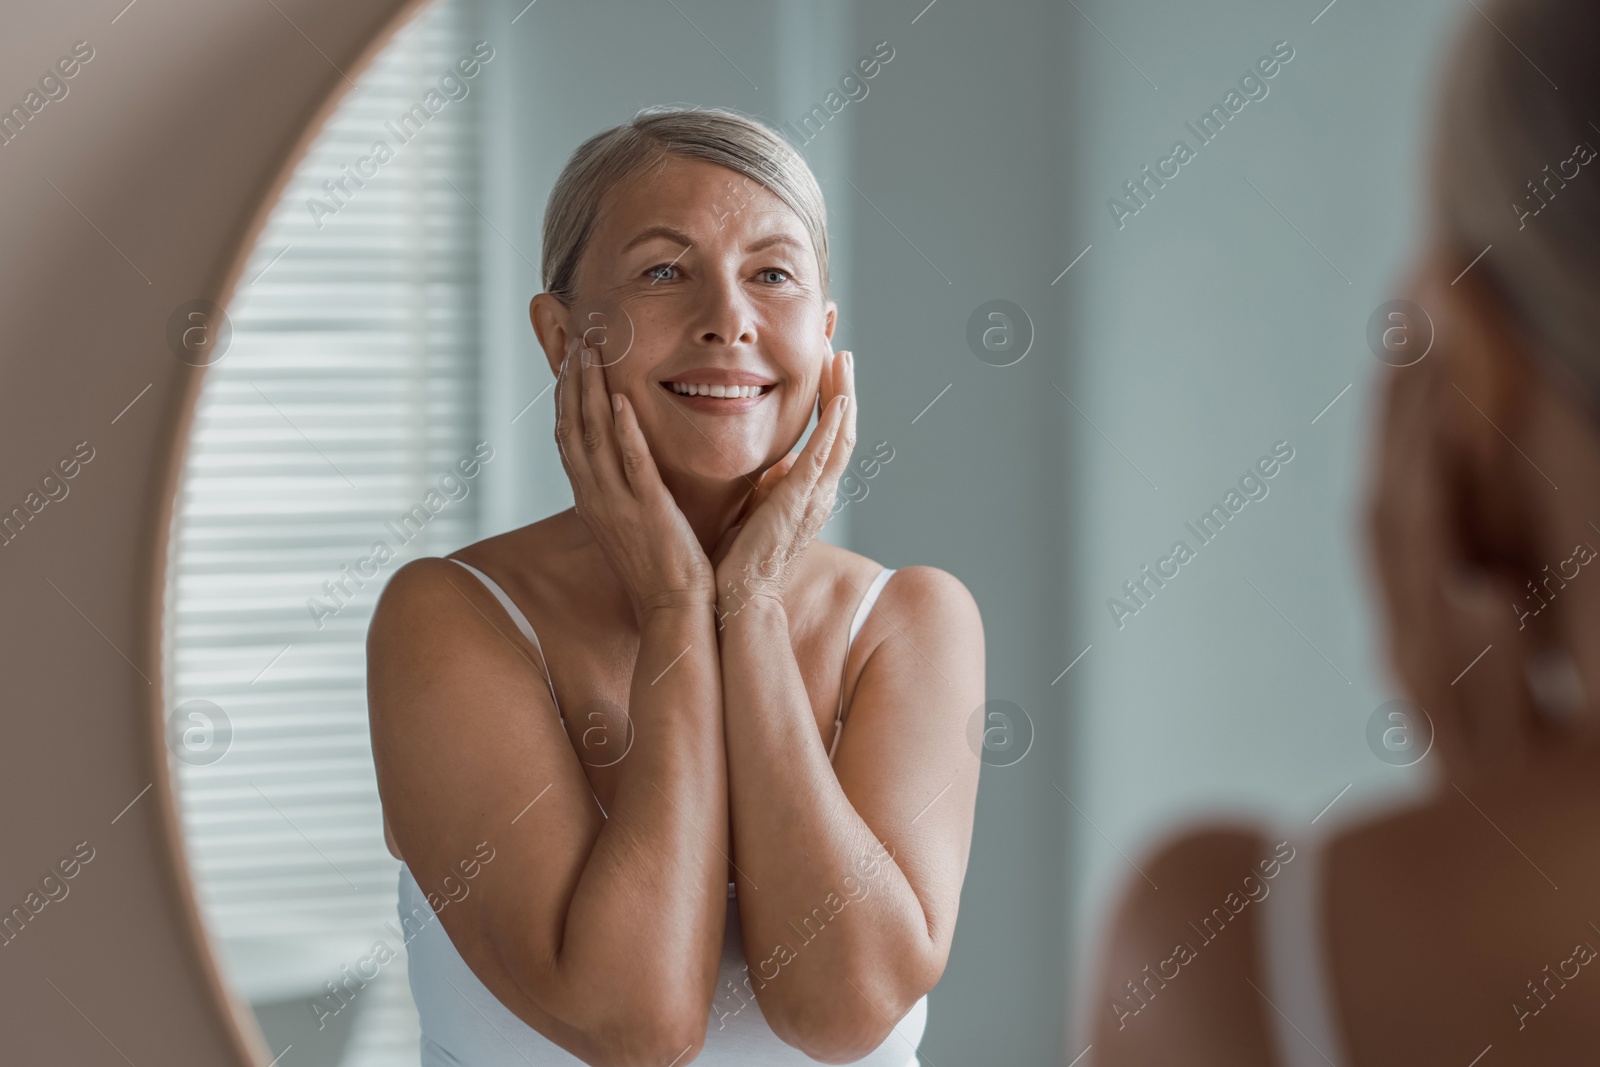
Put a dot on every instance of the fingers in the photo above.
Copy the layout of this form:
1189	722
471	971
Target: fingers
814	457
599	424
638	466
844	441
570	426
770	480
832	459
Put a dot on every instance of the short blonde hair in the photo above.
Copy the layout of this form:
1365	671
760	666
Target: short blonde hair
1503	135
714	135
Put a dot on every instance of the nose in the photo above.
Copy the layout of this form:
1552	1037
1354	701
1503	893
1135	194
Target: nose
725	315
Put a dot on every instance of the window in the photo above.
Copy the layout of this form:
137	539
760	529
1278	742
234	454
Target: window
334	423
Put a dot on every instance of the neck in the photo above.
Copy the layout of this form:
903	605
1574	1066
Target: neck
710	505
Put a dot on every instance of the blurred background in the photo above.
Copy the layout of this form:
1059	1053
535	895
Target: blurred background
1070	360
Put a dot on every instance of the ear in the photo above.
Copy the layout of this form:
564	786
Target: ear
832	319
552	326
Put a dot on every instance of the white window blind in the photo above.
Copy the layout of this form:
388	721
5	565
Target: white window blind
335	421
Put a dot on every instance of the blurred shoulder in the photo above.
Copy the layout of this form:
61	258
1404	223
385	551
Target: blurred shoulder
1187	868
1165	983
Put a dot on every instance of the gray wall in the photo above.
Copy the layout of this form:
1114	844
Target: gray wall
962	149
1205	329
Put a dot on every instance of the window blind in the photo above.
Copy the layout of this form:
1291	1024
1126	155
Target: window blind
347	396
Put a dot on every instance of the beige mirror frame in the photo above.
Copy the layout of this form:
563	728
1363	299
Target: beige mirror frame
133	186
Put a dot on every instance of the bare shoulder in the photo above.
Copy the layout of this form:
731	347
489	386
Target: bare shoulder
917	594
432	619
1164	983
925	615
923	588
527	563
411	598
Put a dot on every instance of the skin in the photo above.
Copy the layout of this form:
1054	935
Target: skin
1433	922
694	630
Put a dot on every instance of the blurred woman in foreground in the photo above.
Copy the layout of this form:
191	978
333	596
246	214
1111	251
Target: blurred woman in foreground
1461	930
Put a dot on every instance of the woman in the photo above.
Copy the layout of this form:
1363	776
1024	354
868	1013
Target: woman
705	841
1463	929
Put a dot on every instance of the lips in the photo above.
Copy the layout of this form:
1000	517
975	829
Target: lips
718	390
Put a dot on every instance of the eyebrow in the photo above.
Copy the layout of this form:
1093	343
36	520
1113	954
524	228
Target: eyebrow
653	232
679	237
775	239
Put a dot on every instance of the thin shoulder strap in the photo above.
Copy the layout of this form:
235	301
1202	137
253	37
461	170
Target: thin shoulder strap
1304	1015
517	617
527	631
869	598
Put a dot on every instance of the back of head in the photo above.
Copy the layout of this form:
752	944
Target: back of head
1515	167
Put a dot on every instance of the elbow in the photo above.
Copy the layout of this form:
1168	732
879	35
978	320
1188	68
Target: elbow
848	1022
644	1031
648	1024
609	1025
851	1034
647	1042
638	1037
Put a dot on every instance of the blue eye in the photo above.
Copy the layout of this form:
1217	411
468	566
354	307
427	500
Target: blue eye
782	275
652	272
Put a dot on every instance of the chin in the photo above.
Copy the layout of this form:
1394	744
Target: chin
723	454
719	469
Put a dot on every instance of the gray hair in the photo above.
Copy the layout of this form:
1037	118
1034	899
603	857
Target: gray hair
1502	174
714	135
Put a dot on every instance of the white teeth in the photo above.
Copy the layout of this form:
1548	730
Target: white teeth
684	389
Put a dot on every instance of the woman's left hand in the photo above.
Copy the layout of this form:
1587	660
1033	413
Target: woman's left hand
757	555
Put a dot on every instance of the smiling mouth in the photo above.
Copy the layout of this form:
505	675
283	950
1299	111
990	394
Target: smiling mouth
716	392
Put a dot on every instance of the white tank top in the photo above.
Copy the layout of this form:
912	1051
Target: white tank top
1292	945
465	1025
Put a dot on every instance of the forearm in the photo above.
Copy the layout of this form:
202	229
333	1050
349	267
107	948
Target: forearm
828	902
646	918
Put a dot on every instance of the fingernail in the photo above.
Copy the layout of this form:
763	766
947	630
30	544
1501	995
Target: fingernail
616	401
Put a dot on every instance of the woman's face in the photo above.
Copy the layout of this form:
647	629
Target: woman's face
697	276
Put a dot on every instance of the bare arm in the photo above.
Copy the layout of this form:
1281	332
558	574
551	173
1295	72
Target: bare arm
602	934
854	868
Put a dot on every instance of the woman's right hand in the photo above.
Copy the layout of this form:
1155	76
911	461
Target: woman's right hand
618	492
